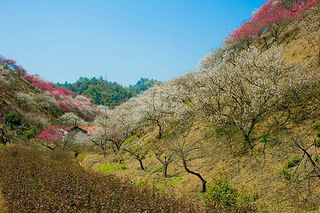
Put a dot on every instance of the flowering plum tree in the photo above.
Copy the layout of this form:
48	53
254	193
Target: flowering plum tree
43	101
12	64
240	91
159	105
71	119
37	121
311	30
63	106
100	136
114	127
273	17
55	137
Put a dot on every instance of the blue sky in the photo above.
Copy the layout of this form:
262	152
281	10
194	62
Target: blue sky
120	40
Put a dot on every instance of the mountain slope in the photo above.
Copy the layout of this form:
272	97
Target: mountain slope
250	113
244	129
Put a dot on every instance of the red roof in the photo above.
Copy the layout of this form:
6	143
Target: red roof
88	129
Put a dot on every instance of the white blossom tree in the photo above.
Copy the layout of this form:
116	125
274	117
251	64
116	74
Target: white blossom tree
71	119
160	105
43	100
100	133
240	90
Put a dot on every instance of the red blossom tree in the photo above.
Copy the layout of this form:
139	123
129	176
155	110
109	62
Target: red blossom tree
21	71
64	91
12	63
8	61
55	137
64	106
273	17
76	107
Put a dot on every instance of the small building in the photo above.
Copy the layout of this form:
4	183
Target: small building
82	133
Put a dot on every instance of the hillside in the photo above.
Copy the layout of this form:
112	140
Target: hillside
239	134
35	104
249	117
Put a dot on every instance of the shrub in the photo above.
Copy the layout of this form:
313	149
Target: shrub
285	172
316	126
29	134
286	169
223	196
13	118
293	162
157	170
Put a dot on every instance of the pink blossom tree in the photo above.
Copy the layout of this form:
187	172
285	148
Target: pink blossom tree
55	137
273	17
63	106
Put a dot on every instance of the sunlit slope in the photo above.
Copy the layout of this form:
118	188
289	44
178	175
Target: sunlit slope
249	113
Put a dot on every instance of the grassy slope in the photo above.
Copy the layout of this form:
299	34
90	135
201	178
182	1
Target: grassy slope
261	172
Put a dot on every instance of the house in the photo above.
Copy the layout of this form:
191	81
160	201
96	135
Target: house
82	133
84	129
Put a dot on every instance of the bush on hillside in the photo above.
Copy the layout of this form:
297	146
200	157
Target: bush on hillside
223	196
13	118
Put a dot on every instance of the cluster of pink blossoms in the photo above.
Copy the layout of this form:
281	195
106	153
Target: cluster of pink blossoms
12	63
269	15
62	95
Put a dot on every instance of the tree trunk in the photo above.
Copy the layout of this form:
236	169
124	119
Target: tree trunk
265	42
204	182
49	147
165	170
141	165
160	129
2	141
